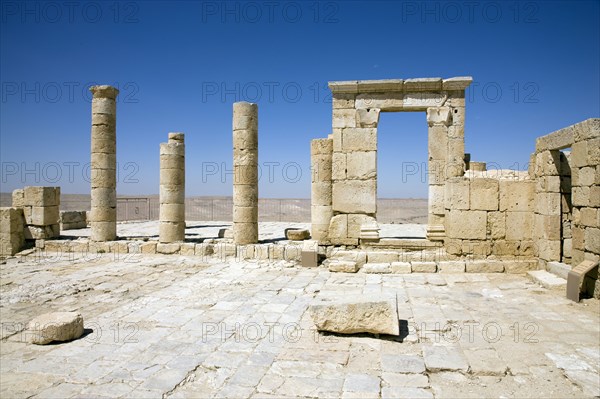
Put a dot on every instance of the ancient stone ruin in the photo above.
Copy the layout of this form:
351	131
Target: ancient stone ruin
172	189
103	215
478	220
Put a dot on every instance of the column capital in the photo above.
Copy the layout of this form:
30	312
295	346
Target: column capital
104	91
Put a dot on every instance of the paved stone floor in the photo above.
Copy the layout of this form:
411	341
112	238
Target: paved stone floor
172	326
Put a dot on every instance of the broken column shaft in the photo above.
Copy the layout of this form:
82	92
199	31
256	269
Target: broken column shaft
321	153
245	173
172	189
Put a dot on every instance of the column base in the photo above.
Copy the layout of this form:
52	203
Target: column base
436	232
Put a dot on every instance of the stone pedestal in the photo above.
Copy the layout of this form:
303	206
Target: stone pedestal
103	214
245	173
172	189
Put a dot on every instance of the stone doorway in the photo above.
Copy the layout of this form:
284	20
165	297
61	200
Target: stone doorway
402	189
356	110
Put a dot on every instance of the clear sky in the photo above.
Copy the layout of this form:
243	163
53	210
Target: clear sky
181	64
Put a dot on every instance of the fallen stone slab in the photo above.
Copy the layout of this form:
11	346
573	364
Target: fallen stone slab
547	280
297	234
54	327
357	314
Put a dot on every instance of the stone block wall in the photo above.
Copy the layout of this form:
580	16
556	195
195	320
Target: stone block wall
70	220
568	193
41	211
12	224
585	179
490	214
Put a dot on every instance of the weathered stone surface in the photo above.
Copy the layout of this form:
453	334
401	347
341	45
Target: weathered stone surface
444	358
484	266
457	193
458	83
383	102
377	268
41	196
245	184
466	224
547	280
361	165
103	163
359	139
343	266
439	115
452	266
18	198
519	225
367	117
359	257
297	234
557	140
484	194
55	326
423	267
382	256
401	268
344	118
355	196
376	315
402	364
517	195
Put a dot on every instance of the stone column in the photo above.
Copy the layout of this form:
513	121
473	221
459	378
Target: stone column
172	189
321	156
438	120
103	215
245	173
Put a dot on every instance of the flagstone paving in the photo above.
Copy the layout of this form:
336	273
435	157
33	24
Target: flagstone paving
178	326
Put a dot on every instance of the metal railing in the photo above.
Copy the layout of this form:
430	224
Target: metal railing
269	209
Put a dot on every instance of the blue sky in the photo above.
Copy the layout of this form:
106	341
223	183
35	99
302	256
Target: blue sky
181	64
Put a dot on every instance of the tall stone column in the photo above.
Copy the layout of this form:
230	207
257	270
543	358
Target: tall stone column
321	155
245	173
172	189
438	120
103	215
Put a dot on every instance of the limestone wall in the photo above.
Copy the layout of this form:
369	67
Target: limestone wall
490	214
73	220
12	224
568	193
41	211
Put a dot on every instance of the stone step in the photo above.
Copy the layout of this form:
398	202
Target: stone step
559	269
548	280
404	243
